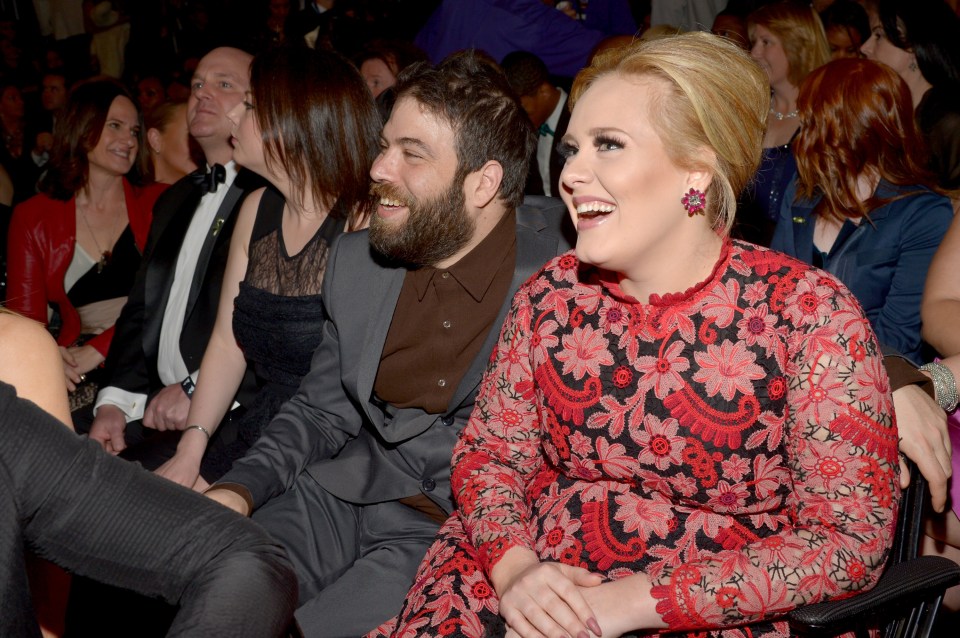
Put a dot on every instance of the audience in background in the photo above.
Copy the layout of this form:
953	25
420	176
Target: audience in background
847	27
169	141
381	62
546	106
862	207
918	39
76	247
788	42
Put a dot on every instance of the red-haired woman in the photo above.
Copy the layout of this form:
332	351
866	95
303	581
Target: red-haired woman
77	246
862	206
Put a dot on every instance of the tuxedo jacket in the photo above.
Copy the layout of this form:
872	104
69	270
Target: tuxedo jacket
354	446
534	181
132	362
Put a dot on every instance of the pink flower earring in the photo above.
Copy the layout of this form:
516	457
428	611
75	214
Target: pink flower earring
694	202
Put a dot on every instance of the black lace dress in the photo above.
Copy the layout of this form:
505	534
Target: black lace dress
277	318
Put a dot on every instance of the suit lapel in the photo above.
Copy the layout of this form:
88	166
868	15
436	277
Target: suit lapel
534	249
163	264
227	209
556	160
389	282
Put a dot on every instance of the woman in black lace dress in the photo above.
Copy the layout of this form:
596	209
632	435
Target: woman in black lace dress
309	126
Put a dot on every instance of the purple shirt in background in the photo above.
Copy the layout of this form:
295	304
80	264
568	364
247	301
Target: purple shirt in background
502	26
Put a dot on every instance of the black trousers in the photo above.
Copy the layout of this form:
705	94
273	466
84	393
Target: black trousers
67	501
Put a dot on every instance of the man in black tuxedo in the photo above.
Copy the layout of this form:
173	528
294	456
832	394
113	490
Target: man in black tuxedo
164	327
546	106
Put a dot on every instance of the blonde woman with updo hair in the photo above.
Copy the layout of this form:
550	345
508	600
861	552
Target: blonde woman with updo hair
677	432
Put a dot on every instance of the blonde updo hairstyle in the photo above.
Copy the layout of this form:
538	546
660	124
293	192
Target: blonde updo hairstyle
712	112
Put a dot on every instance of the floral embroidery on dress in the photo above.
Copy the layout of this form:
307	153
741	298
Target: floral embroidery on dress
734	442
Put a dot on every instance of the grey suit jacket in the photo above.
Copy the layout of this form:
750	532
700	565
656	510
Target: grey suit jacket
355	447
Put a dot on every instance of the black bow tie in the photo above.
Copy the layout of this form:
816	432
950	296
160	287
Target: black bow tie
208	182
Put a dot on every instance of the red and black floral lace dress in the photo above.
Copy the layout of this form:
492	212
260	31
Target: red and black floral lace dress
734	442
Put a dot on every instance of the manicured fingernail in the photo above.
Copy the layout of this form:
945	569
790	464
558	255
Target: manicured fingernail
594	627
583	634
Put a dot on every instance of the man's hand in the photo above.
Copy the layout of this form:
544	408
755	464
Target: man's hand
924	439
168	409
230	499
108	428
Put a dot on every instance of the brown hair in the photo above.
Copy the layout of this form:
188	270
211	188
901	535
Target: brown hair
712	114
856	117
77	133
318	123
801	33
396	54
470	92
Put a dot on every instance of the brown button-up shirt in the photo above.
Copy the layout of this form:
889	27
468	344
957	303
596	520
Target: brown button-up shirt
441	320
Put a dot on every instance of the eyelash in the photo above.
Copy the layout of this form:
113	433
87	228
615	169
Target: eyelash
567	150
607	140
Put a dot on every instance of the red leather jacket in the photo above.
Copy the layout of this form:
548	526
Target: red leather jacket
40	244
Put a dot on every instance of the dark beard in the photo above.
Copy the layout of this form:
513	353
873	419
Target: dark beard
434	229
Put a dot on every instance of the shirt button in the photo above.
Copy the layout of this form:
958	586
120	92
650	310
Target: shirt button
445	275
429	485
442	383
447	420
447	324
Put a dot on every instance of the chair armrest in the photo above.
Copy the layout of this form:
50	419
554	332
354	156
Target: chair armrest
901	586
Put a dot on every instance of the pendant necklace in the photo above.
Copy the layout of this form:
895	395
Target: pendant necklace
105	255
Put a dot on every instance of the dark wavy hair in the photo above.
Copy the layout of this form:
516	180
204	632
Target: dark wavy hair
319	124
470	92
77	133
931	30
856	117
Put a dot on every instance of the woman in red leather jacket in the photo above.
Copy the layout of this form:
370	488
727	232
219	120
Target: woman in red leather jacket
75	248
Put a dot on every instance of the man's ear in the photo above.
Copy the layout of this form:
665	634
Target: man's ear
482	185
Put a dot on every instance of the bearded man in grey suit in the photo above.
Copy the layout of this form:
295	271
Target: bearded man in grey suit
353	475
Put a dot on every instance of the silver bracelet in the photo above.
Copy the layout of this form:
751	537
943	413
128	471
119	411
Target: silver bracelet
944	385
198	427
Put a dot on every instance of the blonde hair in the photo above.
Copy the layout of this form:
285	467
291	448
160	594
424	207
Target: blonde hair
801	34
713	111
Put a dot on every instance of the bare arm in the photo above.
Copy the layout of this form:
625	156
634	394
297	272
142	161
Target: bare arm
941	296
223	365
41	380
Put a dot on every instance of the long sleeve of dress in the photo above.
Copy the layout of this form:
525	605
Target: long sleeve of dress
500	447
